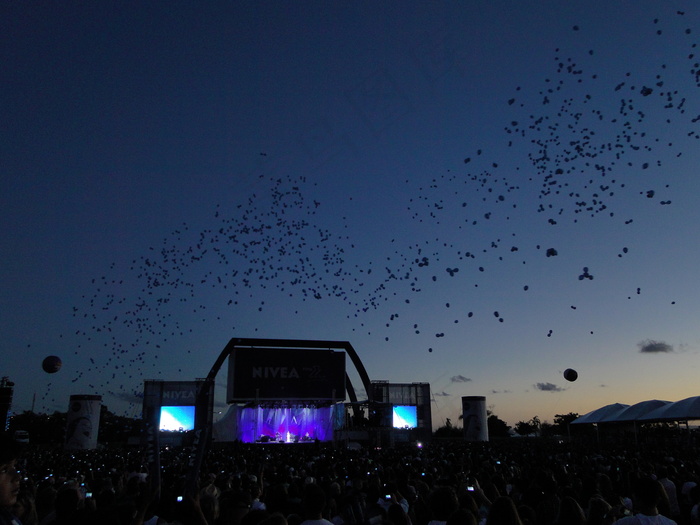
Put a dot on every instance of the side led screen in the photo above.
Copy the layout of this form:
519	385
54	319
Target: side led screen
404	417
176	419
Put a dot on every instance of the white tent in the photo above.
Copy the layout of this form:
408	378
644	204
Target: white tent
644	412
600	414
683	410
636	412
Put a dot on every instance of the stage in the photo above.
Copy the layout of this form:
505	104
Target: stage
280	425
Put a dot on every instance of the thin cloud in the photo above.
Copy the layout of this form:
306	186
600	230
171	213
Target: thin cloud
650	346
548	387
128	397
459	379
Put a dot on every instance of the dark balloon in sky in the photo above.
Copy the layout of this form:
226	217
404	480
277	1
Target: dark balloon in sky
570	374
51	364
295	221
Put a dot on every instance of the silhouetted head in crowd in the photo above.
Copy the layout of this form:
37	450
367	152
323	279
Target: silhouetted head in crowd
648	495
9	477
598	509
503	512
443	502
313	501
570	512
462	517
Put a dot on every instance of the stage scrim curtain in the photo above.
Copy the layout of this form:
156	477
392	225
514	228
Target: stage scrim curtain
288	424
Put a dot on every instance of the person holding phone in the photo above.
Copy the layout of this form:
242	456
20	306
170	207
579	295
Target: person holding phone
391	495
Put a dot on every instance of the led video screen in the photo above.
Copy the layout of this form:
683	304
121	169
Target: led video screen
404	417
176	418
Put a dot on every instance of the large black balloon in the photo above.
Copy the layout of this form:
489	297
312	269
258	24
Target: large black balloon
51	364
570	374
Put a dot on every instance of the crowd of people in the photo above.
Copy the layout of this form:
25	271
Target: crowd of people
526	481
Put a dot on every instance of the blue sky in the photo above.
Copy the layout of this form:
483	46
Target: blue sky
391	175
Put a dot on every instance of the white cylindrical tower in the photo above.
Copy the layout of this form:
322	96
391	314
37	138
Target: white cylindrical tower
83	422
474	418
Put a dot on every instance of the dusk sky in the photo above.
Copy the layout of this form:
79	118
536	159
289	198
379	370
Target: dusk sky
478	195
